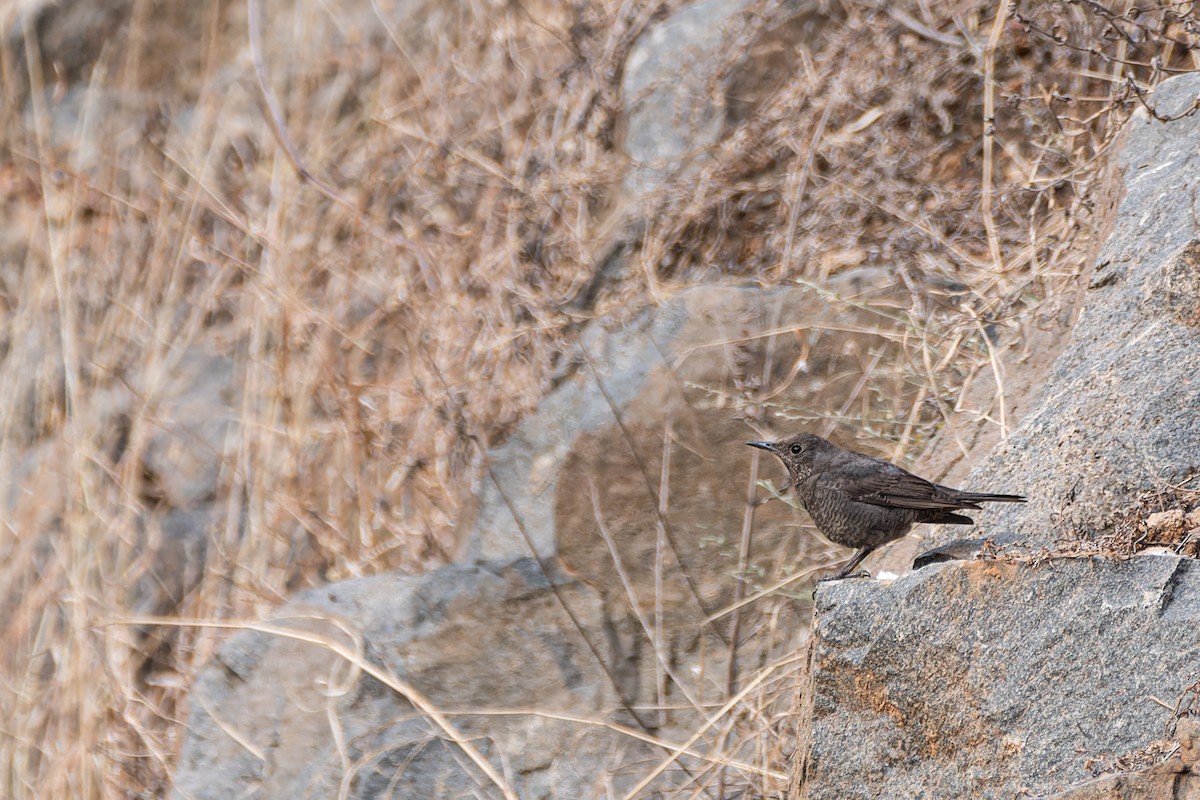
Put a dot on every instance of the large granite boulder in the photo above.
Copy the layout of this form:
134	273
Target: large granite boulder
993	679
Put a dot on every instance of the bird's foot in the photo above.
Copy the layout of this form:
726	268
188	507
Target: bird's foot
862	573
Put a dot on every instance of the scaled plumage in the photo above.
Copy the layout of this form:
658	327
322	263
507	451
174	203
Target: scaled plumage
860	501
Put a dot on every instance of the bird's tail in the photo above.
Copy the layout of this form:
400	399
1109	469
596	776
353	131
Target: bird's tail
983	497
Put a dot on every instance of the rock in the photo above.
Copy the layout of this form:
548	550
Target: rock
185	440
1167	781
194	412
1187	730
189	410
70	35
178	541
1117	417
995	679
689	77
1166	526
1174	777
1175	530
30	392
1165	520
687	81
276	717
673	88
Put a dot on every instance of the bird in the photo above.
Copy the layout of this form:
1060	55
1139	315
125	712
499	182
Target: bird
860	501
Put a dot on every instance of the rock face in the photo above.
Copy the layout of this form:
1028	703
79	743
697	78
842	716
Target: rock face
1120	414
989	679
474	639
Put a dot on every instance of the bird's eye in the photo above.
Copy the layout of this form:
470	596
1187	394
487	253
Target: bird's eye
797	449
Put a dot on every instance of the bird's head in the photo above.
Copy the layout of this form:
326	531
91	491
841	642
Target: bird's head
799	453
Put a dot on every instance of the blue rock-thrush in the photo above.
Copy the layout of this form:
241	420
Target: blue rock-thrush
860	501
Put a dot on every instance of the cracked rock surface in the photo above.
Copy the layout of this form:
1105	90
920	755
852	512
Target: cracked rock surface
989	679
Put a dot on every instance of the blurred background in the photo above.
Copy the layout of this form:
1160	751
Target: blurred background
277	280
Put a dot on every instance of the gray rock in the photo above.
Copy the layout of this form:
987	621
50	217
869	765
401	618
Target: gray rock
673	88
686	74
29	391
1119	415
179	542
274	717
1169	781
687	81
194	413
993	679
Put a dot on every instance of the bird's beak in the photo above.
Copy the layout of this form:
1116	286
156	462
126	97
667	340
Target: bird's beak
763	446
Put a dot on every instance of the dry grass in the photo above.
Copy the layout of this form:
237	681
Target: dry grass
392	316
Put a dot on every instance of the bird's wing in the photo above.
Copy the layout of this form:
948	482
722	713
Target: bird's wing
897	488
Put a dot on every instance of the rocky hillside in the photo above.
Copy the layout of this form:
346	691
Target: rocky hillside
375	378
1058	653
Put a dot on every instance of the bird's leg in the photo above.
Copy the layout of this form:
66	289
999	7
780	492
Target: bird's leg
862	553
